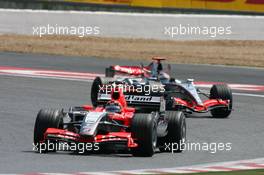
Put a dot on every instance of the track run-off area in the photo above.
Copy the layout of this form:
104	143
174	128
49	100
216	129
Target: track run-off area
133	25
30	82
89	77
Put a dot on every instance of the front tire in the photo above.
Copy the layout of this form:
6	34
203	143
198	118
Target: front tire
46	118
144	129
223	92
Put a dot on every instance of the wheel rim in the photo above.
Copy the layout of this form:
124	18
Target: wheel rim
183	131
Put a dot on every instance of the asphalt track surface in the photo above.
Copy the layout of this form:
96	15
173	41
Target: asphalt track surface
22	97
134	25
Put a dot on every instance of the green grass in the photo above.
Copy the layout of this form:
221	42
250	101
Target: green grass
244	172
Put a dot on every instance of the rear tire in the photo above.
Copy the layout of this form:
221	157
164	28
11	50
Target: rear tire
46	118
223	92
97	83
144	129
176	131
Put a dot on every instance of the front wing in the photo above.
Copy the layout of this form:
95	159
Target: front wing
62	135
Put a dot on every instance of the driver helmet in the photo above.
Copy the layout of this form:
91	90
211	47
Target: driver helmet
113	107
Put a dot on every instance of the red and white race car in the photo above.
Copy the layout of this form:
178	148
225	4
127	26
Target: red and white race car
180	95
110	126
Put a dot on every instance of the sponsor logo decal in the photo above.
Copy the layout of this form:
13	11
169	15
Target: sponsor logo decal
138	98
255	2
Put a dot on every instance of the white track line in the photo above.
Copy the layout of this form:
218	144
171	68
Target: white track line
82	80
131	14
47	77
209	167
202	167
248	95
73	76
